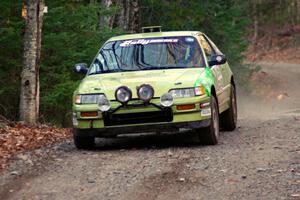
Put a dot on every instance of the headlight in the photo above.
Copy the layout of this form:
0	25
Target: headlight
87	98
104	104
166	100
145	92
187	92
123	94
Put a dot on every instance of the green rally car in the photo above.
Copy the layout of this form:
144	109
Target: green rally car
155	82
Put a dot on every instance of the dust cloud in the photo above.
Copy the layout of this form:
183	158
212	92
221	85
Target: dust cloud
276	93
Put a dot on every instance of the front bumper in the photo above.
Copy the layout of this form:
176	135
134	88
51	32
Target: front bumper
99	126
151	128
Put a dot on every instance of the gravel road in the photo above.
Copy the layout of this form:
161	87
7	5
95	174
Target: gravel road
260	160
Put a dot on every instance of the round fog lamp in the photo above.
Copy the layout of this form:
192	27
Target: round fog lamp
145	92
104	104
166	100
123	94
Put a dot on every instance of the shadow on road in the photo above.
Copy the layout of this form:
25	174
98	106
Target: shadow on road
186	139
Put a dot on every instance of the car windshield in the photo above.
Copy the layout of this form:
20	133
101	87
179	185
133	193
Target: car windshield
148	54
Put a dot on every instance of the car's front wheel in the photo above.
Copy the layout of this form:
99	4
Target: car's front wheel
82	141
210	134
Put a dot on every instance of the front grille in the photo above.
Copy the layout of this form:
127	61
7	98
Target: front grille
138	118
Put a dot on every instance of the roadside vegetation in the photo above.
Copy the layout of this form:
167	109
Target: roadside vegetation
73	31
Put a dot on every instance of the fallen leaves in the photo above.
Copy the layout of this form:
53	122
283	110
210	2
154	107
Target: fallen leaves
278	48
18	138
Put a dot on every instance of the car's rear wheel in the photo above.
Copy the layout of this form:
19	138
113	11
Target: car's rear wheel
82	141
210	134
229	117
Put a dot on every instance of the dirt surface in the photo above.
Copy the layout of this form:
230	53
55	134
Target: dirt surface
260	160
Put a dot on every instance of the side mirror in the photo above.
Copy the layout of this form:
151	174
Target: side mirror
217	60
81	68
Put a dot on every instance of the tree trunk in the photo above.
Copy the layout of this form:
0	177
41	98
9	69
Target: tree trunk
30	89
298	10
104	19
127	18
255	23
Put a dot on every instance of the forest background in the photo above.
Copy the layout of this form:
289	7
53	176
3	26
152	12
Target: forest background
74	30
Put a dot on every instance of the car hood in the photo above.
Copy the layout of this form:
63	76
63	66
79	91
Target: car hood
161	80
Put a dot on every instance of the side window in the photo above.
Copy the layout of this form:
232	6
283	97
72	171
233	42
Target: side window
209	51
98	64
215	48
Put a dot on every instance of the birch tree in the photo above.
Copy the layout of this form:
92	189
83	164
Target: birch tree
30	89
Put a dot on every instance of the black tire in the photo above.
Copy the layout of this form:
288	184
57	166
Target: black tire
81	141
229	117
210	135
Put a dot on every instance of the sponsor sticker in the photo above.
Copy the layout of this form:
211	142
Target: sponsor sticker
127	43
189	39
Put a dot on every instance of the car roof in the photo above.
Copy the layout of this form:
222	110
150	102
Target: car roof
154	35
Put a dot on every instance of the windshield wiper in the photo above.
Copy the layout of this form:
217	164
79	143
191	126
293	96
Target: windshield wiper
93	73
111	71
103	72
165	67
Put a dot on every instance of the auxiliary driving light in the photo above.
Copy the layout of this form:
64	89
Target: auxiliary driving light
145	92
166	100
104	104
123	94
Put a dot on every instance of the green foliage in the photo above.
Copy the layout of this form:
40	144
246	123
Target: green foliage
11	50
70	35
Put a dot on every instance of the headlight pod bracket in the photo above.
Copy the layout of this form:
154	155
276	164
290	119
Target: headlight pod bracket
123	94
146	97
